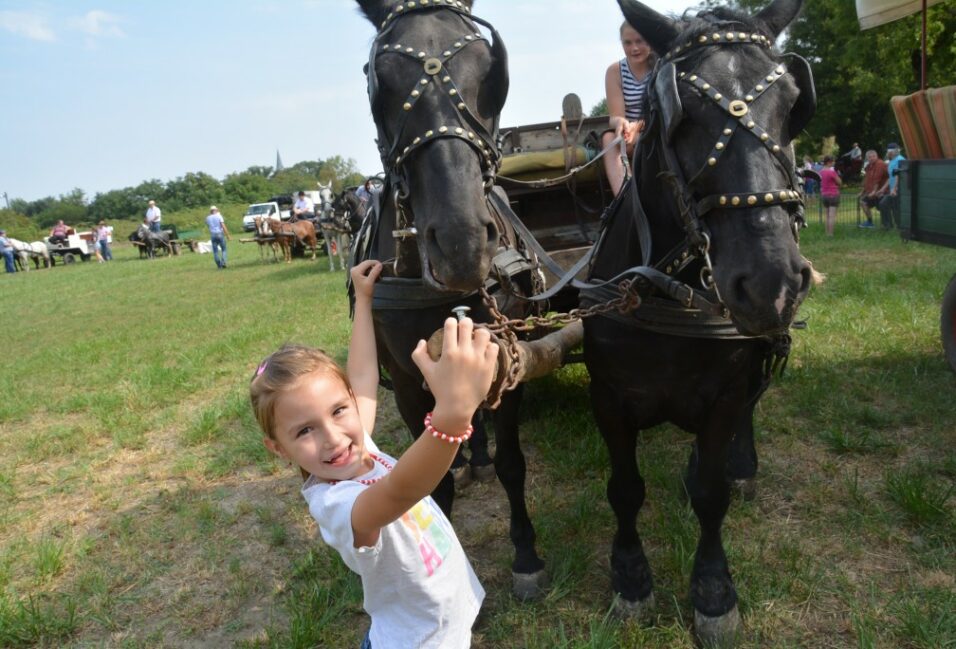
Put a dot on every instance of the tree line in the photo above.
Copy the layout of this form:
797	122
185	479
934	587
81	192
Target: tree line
192	190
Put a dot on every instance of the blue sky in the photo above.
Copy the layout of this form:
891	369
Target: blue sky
105	94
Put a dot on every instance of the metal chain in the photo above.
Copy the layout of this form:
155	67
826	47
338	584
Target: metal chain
628	301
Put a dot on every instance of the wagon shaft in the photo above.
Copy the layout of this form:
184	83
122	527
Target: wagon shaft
535	359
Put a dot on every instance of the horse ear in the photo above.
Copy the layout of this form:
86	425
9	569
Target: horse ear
779	14
657	29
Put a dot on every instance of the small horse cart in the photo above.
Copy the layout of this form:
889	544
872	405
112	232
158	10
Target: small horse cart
76	245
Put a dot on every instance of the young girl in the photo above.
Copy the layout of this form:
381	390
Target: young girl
419	588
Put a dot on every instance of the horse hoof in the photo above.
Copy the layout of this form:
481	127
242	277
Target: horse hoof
529	586
717	632
484	473
462	476
640	610
745	489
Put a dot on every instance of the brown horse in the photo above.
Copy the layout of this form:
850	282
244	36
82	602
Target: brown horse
264	237
287	234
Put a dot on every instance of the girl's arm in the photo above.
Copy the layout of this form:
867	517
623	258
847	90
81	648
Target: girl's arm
615	97
460	381
362	365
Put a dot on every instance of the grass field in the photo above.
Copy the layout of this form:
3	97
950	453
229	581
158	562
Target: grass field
138	507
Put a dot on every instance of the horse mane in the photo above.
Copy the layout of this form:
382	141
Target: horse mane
706	21
376	10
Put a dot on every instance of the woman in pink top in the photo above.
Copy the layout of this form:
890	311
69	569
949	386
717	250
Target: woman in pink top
830	191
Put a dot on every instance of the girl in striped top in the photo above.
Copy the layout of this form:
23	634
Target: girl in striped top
625	83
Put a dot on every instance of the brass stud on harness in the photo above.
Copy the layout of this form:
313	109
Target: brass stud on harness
457	43
735	200
429	133
706	86
719	146
442	129
716	37
758	87
783	195
723	200
727	131
461	105
421	55
452	92
446	79
446	53
780	69
693	77
459	130
770	78
776	148
751	124
737	108
469	37
741	36
471	135
768	198
702	39
415	93
751	200
730	36
712	161
409	50
764	137
749	97
407	106
385	47
718	96
684	74
416	140
432	66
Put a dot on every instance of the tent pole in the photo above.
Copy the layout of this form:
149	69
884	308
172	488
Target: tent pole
923	61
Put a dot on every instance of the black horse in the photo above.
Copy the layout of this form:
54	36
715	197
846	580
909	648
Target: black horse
150	241
716	192
436	88
348	211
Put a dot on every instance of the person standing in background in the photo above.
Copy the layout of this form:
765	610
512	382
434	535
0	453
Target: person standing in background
218	233
153	217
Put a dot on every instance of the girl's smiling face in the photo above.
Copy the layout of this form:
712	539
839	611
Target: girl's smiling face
317	427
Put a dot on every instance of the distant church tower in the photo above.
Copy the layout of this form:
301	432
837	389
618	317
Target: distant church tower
279	165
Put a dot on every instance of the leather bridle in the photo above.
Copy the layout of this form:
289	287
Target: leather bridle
664	99
460	122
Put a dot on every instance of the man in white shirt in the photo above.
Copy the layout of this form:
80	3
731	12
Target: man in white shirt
303	208
153	217
218	233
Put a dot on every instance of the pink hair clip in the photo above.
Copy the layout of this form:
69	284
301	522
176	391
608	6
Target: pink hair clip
260	369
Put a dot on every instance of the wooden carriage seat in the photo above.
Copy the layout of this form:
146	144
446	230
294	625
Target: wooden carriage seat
540	165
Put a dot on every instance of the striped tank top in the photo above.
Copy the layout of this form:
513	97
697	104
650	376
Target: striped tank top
633	92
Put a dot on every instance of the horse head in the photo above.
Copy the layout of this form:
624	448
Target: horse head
725	107
436	88
326	198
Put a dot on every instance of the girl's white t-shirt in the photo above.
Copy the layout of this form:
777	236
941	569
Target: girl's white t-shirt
419	587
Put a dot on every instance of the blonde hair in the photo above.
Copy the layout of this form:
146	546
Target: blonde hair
280	372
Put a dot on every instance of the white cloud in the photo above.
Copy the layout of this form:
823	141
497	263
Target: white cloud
32	26
98	23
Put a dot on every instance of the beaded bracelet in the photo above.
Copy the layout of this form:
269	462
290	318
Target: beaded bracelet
429	429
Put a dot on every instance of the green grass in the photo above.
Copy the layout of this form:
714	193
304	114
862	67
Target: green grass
138	507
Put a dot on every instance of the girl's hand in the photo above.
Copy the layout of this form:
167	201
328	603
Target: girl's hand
364	276
632	130
461	378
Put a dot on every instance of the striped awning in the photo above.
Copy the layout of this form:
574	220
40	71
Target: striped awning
872	13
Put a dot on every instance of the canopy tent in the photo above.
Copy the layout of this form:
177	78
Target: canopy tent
873	13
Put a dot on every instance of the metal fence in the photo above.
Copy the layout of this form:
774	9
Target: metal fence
849	211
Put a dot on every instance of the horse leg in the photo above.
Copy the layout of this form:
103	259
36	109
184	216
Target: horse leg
742	460
482	466
529	579
716	618
344	245
327	236
631	576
